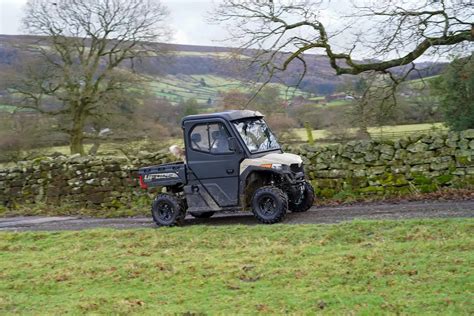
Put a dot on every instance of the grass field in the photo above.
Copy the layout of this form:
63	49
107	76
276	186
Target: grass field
392	267
420	83
337	103
109	149
390	132
7	108
182	87
113	149
222	55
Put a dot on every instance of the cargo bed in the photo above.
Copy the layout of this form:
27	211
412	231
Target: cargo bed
170	174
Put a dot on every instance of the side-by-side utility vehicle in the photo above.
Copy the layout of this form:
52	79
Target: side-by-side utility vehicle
233	162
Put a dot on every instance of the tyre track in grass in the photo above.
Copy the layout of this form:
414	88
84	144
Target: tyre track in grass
316	215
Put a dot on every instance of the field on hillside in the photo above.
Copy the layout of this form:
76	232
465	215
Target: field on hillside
108	149
204	87
385	132
7	108
420	83
332	103
390	267
223	55
200	87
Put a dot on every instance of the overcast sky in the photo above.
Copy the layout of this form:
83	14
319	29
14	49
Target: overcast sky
188	20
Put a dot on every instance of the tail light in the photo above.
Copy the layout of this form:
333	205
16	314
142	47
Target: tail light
143	185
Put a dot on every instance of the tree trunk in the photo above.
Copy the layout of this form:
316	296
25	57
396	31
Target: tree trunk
76	136
363	113
76	143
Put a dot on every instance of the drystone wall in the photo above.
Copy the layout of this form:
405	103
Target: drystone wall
416	164
86	182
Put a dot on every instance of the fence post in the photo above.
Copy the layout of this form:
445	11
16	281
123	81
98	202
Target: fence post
309	133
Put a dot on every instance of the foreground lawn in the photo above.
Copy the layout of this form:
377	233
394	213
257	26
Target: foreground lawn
408	267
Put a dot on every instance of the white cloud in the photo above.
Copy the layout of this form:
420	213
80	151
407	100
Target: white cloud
11	12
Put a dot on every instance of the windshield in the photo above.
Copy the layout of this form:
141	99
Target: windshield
256	135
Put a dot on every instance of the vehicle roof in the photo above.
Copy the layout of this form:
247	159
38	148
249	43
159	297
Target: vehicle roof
230	115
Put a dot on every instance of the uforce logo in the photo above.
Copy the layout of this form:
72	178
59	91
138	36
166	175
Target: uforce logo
158	176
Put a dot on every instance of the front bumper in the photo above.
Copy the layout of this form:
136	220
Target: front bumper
294	174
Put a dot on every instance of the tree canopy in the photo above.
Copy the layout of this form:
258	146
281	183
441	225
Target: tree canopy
455	88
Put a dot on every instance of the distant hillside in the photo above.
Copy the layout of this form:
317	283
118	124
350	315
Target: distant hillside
223	67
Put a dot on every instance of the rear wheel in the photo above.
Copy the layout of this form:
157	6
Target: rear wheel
305	201
269	204
202	214
167	210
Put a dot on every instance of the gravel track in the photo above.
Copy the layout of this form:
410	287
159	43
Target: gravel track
316	215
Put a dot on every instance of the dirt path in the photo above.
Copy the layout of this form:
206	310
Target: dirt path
317	215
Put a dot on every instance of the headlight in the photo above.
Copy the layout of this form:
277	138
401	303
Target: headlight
276	166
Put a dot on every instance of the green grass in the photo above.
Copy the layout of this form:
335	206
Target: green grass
182	87
391	132
9	108
392	267
339	102
113	149
317	133
420	83
317	98
222	55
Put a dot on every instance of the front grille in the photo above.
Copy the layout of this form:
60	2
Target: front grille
296	168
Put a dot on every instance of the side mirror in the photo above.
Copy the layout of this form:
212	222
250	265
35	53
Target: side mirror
233	144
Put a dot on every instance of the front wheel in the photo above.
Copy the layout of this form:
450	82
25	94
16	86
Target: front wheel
167	210
269	204
303	202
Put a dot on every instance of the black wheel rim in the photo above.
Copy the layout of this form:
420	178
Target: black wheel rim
267	205
164	211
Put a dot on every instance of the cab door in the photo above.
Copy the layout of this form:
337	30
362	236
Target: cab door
211	162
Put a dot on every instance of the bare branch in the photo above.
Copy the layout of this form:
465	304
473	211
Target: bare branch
393	33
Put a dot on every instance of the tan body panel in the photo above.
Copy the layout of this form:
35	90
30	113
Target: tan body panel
273	158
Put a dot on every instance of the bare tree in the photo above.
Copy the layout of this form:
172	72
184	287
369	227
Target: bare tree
233	99
373	101
86	47
388	33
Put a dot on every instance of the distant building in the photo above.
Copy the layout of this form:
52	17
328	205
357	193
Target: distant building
301	101
336	96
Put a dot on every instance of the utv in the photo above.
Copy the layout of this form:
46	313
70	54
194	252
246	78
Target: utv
233	163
